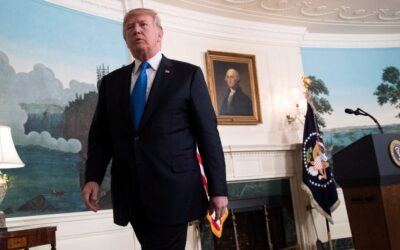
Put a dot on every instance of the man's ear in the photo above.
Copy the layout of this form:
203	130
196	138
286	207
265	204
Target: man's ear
160	35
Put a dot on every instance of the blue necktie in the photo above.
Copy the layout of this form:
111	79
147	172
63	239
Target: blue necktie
138	97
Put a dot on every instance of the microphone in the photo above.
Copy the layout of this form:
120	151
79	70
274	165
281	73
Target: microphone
359	111
352	112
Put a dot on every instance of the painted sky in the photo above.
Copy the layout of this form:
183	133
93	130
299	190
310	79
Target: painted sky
352	76
69	42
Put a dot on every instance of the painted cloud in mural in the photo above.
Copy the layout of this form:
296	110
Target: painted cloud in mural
35	90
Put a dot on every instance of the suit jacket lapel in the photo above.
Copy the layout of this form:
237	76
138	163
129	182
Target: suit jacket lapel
164	72
126	97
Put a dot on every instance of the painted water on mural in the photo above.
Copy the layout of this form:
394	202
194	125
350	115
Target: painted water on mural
50	182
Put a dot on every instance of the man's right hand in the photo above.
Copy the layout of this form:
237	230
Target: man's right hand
90	193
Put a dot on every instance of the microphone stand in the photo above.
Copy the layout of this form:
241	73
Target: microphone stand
362	112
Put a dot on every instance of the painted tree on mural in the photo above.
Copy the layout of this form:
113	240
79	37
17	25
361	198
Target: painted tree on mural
317	91
389	90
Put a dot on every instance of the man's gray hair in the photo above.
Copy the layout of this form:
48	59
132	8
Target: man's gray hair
145	11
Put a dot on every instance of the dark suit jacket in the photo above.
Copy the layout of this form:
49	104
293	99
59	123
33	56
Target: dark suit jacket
159	158
240	104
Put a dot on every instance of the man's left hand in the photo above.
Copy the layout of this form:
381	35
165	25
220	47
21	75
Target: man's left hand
219	204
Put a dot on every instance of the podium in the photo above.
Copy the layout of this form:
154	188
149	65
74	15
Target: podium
368	173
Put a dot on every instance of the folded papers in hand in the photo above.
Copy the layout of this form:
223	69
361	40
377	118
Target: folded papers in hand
216	225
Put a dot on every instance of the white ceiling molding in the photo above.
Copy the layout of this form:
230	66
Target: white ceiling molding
333	11
319	16
202	24
200	18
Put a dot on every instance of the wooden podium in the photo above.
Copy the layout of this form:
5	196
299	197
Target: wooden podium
369	175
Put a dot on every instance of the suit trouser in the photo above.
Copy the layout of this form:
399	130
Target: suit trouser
155	236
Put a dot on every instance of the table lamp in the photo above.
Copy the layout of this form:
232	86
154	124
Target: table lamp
8	159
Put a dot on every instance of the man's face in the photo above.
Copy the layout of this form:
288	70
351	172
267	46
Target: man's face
142	36
231	78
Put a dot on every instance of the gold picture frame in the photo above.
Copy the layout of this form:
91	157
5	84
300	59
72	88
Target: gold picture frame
233	87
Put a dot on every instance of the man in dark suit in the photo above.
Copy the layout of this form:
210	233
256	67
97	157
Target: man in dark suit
156	181
236	102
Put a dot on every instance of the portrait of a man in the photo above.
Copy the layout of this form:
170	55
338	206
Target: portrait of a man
236	102
233	87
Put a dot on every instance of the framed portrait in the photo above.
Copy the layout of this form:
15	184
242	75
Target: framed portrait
232	82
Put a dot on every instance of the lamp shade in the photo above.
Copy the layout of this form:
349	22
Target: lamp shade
8	154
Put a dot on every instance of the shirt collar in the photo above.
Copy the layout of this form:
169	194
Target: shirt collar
154	62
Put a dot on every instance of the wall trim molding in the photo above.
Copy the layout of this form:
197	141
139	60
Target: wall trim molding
85	220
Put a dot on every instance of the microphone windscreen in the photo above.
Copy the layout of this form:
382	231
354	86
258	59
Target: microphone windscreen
349	111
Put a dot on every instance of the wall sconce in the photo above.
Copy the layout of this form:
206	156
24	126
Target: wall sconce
295	116
8	159
293	107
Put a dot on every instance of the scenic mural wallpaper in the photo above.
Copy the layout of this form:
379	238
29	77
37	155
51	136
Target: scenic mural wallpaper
354	78
50	61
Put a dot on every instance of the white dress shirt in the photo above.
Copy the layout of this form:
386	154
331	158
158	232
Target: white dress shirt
154	63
